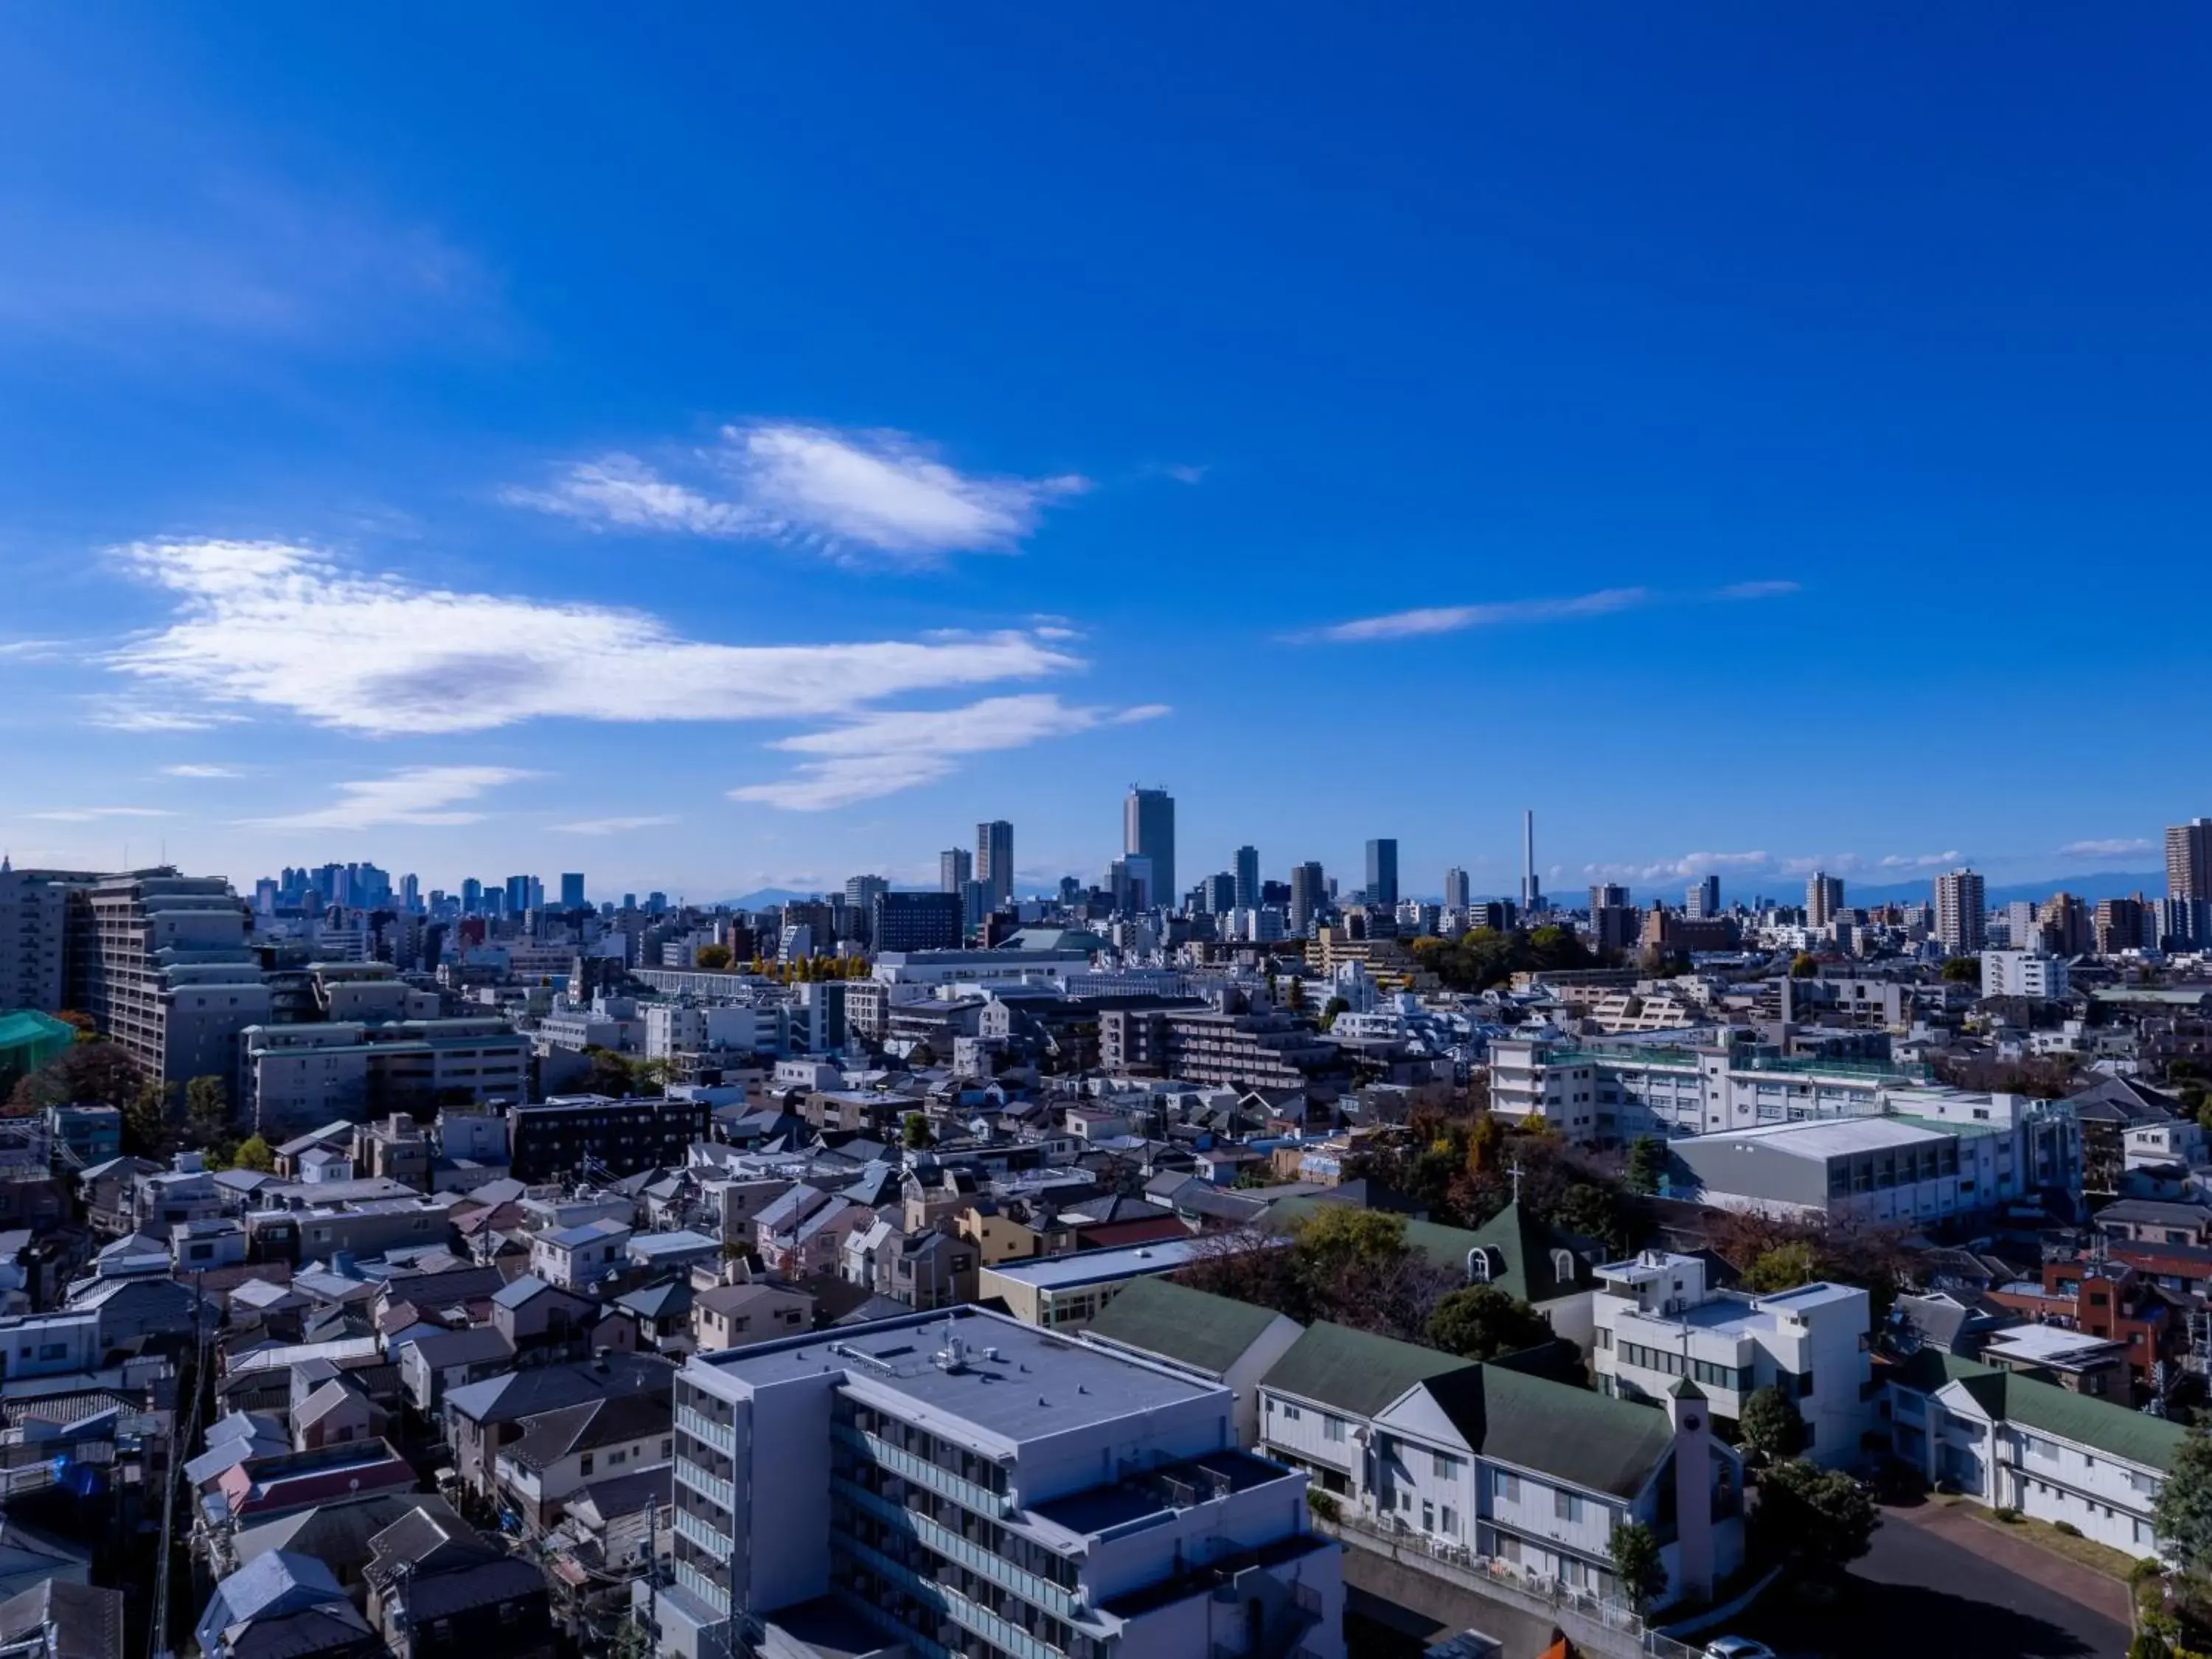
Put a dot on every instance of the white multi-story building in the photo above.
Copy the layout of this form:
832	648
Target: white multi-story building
2007	1441
2033	974
1658	1324
963	1483
1483	1463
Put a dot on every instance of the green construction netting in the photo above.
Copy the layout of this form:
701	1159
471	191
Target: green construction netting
29	1040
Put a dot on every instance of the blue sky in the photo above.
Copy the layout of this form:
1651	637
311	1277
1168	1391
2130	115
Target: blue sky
752	448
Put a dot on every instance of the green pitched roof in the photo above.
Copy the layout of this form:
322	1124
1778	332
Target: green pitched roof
2032	1404
1356	1371
1205	1331
1519	1242
1556	1429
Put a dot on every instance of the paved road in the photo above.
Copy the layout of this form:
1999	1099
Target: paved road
1917	1592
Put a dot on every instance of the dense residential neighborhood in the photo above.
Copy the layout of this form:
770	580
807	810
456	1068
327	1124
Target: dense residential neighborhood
1414	1255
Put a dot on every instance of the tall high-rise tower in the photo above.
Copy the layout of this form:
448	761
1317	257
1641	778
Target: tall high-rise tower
955	868
1823	898
1308	889
995	859
1960	912
1382	873
1455	889
1532	893
2188	860
1248	877
1148	832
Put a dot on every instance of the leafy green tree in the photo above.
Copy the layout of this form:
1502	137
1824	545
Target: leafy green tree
2182	1514
1784	1267
1594	1212
1483	1322
1638	1566
1330	1010
207	1111
1818	1515
611	1074
714	958
1963	970
1295	999
253	1153
1647	1163
147	1130
1772	1424
917	1134
1802	966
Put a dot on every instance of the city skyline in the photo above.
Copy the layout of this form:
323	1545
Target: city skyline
412	514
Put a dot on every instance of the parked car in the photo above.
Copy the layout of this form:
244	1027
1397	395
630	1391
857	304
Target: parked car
1738	1647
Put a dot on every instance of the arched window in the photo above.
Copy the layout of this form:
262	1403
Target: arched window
1563	1266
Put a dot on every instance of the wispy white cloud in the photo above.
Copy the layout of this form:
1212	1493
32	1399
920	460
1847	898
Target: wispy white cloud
32	650
1689	864
879	754
201	771
615	826
422	795
1517	613
1833	864
1766	590
2119	847
1922	861
87	814
844	492
281	628
1454	618
1189	475
129	712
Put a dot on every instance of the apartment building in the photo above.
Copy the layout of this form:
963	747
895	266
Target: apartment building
1270	1049
2035	975
964	1483
34	931
2011	1441
1658	1324
293	1076
160	963
1488	1465
568	1134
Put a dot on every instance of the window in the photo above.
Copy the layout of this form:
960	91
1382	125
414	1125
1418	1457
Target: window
617	1457
1290	1413
1566	1506
1332	1428
1428	1516
668	1448
1444	1466
1447	1522
584	1464
1506	1487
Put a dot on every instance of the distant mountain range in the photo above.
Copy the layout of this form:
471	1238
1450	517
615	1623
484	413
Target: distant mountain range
2090	886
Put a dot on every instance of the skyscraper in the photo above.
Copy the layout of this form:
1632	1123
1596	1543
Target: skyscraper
1382	873
518	894
1248	877
1608	895
1222	894
995	859
2188	860
1455	889
1960	913
861	893
571	890
1703	902
1148	832
1823	898
1532	890
1307	890
955	868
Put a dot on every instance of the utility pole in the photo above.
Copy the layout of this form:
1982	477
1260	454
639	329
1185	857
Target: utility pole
158	1634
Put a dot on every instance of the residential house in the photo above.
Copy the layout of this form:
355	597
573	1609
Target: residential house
559	1450
52	1620
482	1418
438	1589
284	1605
1214	1337
581	1258
737	1315
541	1322
434	1364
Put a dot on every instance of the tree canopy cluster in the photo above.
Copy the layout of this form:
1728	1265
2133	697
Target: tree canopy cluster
1483	957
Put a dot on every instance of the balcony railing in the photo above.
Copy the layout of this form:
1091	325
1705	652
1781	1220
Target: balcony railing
707	1486
1001	1633
942	1539
696	1583
922	1472
723	1436
705	1533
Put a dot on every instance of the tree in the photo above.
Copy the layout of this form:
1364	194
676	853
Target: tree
1296	1001
1963	970
1784	1267
94	1072
1330	1010
1647	1163
253	1153
2182	1514
1484	1322
714	958
1819	1516
1772	1424
918	1135
207	1111
1802	966
611	1071
1597	1213
146	1128
1638	1566
920	1056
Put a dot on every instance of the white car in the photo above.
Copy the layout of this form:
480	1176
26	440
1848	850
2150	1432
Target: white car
1738	1647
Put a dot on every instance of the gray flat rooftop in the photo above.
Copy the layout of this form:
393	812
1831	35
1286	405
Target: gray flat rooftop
1037	1385
1086	1514
1098	1266
1837	1137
